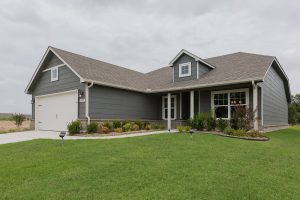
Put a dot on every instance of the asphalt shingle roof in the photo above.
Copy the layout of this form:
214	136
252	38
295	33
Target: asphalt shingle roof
229	68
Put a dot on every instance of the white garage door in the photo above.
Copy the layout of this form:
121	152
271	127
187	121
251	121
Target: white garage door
53	112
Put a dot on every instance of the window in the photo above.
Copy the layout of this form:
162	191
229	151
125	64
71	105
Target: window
185	69
225	102
54	74
165	107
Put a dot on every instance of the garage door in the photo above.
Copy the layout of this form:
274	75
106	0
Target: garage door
53	112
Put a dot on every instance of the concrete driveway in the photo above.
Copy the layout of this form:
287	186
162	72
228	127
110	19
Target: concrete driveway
31	135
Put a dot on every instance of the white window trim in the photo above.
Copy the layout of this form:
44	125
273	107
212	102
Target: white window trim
189	64
163	108
54	78
246	90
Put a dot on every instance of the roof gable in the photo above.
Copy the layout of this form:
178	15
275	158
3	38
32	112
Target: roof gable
183	51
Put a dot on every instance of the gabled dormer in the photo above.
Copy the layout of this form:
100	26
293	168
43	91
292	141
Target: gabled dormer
187	66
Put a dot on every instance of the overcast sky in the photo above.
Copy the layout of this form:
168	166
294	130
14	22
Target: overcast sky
141	35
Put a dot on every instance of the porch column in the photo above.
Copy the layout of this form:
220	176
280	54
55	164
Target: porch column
255	107
169	111
191	104
180	106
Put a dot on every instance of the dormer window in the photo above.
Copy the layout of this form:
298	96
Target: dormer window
54	74
185	69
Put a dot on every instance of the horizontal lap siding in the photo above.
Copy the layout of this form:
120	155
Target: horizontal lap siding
67	80
112	103
275	105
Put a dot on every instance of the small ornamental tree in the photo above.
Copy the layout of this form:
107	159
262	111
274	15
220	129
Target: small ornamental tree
18	119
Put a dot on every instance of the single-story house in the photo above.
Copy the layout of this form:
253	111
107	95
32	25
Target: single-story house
67	86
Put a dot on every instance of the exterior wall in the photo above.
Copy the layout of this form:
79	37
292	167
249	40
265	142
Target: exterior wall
275	104
111	103
184	59
67	80
52	61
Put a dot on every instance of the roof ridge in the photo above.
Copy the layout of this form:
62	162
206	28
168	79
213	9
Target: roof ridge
55	48
238	53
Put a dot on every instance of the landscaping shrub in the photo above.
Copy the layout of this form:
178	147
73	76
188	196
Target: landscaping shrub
199	120
228	131
221	124
240	132
116	124
104	129
145	124
210	123
107	124
148	127
127	127
162	127
74	127
183	129
156	126
242	118
18	118
139	123
135	127
254	133
92	127
118	130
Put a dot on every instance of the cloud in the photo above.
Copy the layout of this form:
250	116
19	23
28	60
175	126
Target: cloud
141	35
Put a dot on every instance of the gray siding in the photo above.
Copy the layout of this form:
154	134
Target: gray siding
67	81
52	61
275	104
184	59
111	103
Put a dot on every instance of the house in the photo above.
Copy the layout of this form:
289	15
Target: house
67	86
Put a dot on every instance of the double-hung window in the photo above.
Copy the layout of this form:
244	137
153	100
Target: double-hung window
165	107
185	69
54	74
224	103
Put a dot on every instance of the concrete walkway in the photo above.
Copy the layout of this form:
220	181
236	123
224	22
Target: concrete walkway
31	135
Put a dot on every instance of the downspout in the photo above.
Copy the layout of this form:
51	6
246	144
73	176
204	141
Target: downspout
87	101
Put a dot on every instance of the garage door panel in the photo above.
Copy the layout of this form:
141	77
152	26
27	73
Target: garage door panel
54	112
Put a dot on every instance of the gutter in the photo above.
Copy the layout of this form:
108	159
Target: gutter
87	101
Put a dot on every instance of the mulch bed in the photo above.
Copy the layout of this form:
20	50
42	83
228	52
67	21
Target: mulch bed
113	133
263	139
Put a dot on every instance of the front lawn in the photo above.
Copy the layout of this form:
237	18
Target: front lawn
166	166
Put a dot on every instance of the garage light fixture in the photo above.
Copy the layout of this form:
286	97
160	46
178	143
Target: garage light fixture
80	93
32	101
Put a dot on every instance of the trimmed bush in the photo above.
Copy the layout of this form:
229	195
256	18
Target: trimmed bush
199	120
127	127
139	123
104	130
135	127
116	124
148	127
210	124
118	130
221	124
74	127
254	133
156	126
92	127
240	132
108	125
228	131
183	129
18	118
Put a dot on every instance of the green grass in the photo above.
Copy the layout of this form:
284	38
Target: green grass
166	166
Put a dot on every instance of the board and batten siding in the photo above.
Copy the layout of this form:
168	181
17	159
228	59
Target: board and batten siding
113	103
67	81
185	59
275	104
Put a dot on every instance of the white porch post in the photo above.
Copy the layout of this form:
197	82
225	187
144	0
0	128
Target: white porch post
199	103
191	104
180	106
169	111
255	107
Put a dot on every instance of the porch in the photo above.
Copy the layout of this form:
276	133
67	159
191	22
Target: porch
179	106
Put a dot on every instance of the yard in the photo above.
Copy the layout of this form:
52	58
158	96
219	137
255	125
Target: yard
166	166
